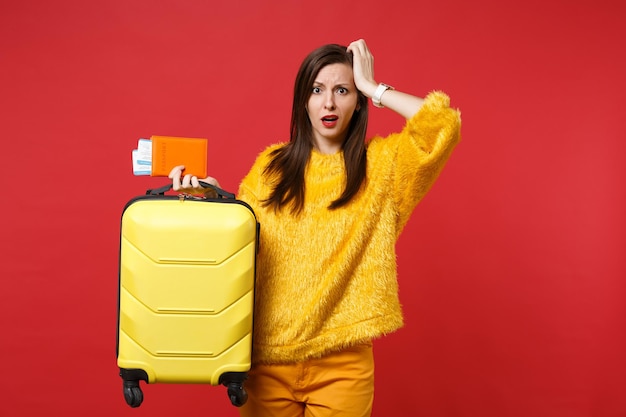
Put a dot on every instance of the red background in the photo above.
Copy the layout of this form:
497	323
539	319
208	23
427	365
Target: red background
511	270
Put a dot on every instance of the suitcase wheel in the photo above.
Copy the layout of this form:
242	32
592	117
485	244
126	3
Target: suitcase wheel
132	390
233	381
132	393
237	394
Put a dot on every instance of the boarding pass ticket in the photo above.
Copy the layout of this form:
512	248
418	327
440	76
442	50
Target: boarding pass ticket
142	157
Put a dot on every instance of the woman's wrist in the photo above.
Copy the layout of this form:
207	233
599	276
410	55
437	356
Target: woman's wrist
381	89
368	89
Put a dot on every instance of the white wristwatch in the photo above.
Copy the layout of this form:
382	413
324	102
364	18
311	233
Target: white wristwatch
379	93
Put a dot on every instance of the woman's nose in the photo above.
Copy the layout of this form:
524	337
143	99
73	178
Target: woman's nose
330	102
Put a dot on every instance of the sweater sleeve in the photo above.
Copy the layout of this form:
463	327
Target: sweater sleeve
249	187
422	149
253	188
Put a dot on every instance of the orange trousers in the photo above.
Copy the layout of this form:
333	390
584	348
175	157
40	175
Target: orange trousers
339	385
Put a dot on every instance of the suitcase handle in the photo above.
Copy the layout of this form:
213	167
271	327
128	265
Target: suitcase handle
220	193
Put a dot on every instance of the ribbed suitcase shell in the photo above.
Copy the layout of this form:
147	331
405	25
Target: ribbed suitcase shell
186	291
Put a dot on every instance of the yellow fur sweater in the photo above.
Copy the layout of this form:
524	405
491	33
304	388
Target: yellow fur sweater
326	279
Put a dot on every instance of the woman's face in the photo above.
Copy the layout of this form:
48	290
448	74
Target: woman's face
331	105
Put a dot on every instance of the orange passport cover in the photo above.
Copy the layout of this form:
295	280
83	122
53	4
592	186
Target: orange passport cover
170	151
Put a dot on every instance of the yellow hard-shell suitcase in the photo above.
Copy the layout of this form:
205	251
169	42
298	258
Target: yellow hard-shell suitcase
186	292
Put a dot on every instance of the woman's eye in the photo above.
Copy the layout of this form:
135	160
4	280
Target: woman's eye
342	90
316	90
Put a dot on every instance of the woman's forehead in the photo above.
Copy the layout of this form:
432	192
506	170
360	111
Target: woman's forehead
334	74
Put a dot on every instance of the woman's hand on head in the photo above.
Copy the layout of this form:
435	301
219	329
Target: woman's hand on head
363	67
189	182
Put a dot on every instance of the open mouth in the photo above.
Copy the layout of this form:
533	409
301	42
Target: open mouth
329	121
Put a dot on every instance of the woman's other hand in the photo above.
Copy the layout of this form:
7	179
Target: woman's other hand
363	70
363	67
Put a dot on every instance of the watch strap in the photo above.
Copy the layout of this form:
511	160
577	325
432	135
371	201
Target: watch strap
376	98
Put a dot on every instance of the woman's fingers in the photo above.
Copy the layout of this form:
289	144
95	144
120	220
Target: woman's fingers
174	175
180	181
357	46
177	170
186	181
212	181
363	67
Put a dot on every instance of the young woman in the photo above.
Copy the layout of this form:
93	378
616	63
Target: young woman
331	208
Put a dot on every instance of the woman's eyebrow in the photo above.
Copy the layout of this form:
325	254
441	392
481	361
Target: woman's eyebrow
340	84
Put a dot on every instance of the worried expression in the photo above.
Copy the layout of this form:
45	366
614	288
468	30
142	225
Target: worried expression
331	105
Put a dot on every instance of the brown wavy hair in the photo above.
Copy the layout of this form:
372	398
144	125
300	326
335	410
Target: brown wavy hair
287	164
